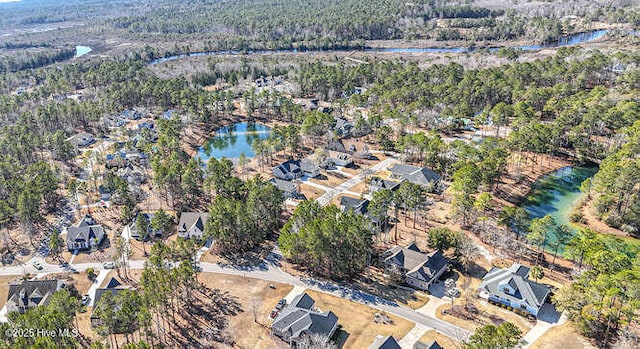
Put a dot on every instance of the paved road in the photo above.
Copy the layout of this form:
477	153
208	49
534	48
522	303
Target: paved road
330	194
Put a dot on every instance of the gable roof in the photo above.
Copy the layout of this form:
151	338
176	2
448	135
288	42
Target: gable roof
358	205
428	345
385	342
192	219
419	265
85	230
31	293
285	186
384	183
113	283
414	174
297	318
516	276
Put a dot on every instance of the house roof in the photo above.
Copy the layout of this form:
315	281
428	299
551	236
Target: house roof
516	276
285	186
419	265
282	170
85	230
303	301
427	345
113	283
358	205
192	219
384	183
31	293
385	342
298	318
414	174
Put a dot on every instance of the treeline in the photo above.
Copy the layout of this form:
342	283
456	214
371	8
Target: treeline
616	185
28	60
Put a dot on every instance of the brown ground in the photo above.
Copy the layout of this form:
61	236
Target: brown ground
357	320
564	336
487	315
444	341
310	192
330	179
4	287
516	184
80	280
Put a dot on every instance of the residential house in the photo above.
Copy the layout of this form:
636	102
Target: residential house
377	184
133	229
414	174
513	288
343	127
105	196
85	235
418	269
30	294
299	319
131	114
191	224
115	121
82	139
113	287
294	169
340	158
359	206
385	342
427	345
288	189
116	160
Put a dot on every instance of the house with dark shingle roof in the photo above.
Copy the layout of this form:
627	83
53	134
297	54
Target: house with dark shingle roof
418	269
385	342
428	345
377	184
85	235
30	294
299	320
343	127
513	288
114	287
82	139
294	169
414	174
191	224
288	189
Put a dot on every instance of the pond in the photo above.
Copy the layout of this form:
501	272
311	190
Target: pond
557	193
82	50
231	141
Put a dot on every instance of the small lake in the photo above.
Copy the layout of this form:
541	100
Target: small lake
231	141
82	50
556	194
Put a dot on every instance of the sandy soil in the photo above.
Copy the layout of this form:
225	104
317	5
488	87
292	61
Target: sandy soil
444	341
357	321
488	314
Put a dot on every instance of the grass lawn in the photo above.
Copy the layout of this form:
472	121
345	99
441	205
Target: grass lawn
444	341
564	336
357	320
4	287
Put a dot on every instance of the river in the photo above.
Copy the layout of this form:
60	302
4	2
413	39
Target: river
568	40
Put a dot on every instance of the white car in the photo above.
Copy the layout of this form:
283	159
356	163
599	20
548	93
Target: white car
108	265
37	265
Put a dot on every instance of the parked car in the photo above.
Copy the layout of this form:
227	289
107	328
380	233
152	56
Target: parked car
85	299
281	304
108	265
37	265
273	314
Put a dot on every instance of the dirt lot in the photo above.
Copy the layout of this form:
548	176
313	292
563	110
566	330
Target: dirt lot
444	341
487	315
310	192
357	320
80	280
4	287
564	336
330	179
251	293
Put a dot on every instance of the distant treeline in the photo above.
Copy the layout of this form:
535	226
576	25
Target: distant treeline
30	60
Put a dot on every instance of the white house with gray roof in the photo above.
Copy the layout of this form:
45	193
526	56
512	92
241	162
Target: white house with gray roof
299	320
418	269
513	288
85	235
191	224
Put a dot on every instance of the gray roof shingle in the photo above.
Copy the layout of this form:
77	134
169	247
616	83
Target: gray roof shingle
532	293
